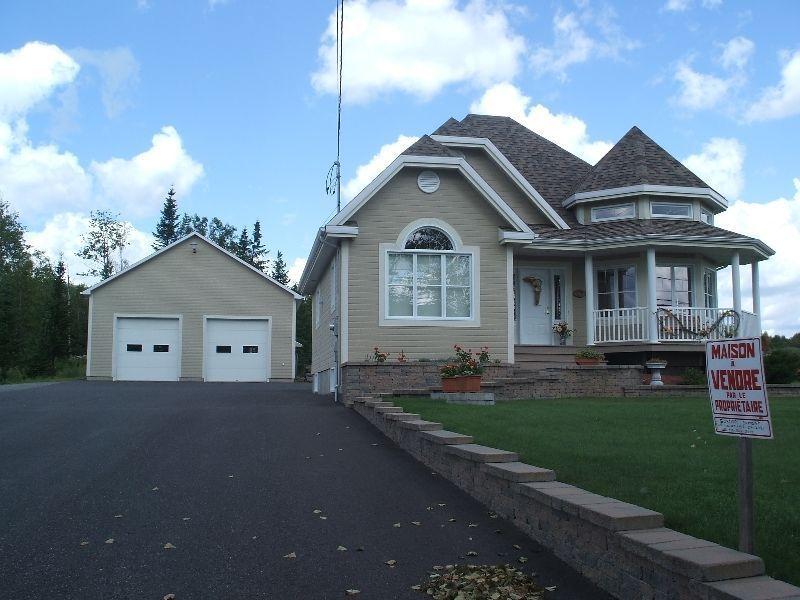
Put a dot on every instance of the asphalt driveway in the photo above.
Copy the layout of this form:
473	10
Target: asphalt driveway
97	478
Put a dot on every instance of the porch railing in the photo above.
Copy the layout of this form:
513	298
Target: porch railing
675	324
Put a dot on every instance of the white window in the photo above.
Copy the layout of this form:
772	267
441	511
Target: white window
707	217
429	279
671	210
616	287
674	285
613	213
710	288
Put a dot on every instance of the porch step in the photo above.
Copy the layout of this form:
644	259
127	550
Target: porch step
544	357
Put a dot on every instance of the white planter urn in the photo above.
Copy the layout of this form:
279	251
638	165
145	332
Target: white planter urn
655	366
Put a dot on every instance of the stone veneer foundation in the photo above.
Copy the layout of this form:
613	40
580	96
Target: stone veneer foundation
625	549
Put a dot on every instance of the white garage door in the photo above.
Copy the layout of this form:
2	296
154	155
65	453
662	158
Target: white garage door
237	350
147	349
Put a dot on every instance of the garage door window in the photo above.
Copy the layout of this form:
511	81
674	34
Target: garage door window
223	349
161	348
250	349
134	348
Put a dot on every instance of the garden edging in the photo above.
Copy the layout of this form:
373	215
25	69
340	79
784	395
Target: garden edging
623	548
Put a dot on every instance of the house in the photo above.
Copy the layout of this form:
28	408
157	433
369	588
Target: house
487	234
191	312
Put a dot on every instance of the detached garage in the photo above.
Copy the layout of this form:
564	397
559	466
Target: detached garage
191	312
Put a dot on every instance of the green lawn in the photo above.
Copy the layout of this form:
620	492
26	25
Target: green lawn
661	454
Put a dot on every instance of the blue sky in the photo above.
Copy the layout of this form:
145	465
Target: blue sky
245	94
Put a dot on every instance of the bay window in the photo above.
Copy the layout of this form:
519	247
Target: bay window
616	287
710	288
428	279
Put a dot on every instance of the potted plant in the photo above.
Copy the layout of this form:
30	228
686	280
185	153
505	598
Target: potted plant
378	356
464	373
587	356
562	330
656	365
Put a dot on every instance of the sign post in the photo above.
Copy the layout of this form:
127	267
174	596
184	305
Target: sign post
738	393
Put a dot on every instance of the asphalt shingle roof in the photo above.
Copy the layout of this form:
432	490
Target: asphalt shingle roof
551	170
637	160
426	146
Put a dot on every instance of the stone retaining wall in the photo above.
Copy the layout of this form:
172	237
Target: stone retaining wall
774	390
623	548
506	381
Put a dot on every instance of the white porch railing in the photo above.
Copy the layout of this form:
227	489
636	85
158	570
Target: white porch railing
620	324
675	324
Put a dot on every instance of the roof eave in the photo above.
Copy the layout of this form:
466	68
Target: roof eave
706	193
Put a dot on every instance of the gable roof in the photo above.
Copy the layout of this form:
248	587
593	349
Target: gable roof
183	239
637	160
427	146
551	170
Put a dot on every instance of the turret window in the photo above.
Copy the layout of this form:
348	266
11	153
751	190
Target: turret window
613	213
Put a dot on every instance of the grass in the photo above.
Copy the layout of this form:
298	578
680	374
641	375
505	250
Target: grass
66	369
658	453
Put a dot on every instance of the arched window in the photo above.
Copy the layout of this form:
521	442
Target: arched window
429	278
429	238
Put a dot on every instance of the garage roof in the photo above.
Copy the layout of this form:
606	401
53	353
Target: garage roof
183	239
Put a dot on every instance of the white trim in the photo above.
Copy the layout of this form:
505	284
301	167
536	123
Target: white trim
658	190
118	316
315	383
89	339
295	343
266	318
341	230
443	162
344	309
505	165
514	237
557	267
588	277
175	243
510	302
429	222
594	219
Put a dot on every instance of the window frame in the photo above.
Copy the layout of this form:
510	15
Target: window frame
386	250
692	272
712	275
688	216
615	294
704	212
595	219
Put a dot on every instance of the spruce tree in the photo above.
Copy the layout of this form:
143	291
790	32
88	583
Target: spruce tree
168	226
279	271
60	313
258	252
243	246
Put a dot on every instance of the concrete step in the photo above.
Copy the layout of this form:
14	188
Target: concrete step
388	409
519	472
401	416
482	454
446	437
377	403
420	425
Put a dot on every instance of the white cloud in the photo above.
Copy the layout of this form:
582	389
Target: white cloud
30	74
566	130
61	236
736	53
777	223
368	171
572	43
720	164
699	90
418	47
296	269
684	5
782	100
119	72
136	186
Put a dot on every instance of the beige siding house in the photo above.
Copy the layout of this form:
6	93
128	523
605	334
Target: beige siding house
191	312
485	234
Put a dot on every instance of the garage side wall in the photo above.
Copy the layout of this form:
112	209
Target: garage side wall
323	311
179	282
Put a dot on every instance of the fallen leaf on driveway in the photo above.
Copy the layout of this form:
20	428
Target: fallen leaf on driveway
117	516
84	543
352	592
110	541
522	559
472	553
169	597
290	555
517	546
155	489
169	546
186	518
324	518
317	511
417	523
391	563
396	525
442	504
230	476
451	520
373	444
341	549
472	525
492	582
551	588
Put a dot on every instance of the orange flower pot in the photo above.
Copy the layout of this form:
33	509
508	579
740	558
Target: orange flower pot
464	383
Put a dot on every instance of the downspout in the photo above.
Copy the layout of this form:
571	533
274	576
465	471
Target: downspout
335	325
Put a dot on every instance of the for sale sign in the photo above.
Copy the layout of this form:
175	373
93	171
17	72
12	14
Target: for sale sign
737	388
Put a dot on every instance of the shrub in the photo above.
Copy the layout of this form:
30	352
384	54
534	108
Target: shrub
782	366
692	376
588	353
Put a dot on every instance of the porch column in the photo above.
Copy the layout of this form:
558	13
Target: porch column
756	294
736	283
652	308
588	267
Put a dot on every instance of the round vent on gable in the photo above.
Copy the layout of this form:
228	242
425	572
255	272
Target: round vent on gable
428	182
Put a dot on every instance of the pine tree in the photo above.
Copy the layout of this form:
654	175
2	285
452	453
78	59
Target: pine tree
243	246
258	252
59	313
222	234
279	271
190	223
167	227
